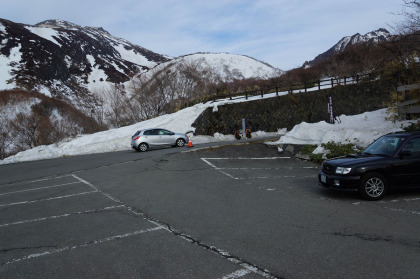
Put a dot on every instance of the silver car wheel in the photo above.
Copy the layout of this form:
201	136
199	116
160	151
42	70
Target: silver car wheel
180	142
143	147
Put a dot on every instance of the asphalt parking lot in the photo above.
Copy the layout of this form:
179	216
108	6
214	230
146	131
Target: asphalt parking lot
242	211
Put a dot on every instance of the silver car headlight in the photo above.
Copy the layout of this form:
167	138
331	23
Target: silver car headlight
341	170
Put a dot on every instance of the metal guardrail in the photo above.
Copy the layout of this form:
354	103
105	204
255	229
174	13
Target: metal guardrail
408	107
305	87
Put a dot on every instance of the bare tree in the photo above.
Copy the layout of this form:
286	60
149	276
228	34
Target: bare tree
411	23
148	95
170	88
408	32
32	130
5	137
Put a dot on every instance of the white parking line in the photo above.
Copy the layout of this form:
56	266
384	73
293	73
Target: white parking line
96	189
36	180
240	158
85	182
156	225
403	210
247	158
61	216
95	242
40	188
237	274
394	201
223	170
247	268
78	181
207	162
48	199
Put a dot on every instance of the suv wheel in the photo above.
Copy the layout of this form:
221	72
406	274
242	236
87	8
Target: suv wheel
373	186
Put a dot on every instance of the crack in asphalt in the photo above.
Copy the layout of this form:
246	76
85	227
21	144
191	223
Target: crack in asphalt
98	210
376	238
224	254
3	251
84	244
232	258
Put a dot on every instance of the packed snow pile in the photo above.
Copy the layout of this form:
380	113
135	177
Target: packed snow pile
360	130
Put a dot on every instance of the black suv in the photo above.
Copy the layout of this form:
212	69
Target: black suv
392	160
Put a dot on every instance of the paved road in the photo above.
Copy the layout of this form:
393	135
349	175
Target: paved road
241	211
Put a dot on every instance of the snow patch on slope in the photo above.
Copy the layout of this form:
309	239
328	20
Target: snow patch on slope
46	33
8	64
132	56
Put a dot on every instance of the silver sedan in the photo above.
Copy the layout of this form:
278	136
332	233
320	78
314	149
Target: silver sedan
156	137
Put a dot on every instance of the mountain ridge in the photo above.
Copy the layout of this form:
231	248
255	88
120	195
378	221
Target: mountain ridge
373	37
74	63
59	60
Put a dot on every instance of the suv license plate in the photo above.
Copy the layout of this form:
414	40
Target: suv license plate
323	178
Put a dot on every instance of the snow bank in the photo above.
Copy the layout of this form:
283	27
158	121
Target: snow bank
360	129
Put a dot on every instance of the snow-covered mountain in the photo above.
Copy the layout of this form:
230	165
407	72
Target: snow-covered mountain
79	64
227	66
67	61
373	37
376	36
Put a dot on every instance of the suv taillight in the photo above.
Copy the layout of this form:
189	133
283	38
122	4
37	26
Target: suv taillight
136	138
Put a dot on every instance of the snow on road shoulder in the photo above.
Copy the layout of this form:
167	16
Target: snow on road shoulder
119	139
110	140
361	129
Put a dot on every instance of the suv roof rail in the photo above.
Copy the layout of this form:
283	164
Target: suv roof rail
405	132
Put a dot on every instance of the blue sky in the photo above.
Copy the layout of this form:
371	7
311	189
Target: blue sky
282	33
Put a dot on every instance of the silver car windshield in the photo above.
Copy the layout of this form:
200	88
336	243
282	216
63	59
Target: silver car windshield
385	146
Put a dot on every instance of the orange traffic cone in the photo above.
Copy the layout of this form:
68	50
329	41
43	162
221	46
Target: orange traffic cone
190	142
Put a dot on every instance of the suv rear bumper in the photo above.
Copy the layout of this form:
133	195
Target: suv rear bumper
338	181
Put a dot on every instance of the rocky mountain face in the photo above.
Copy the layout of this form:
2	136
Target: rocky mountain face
81	65
67	61
373	37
